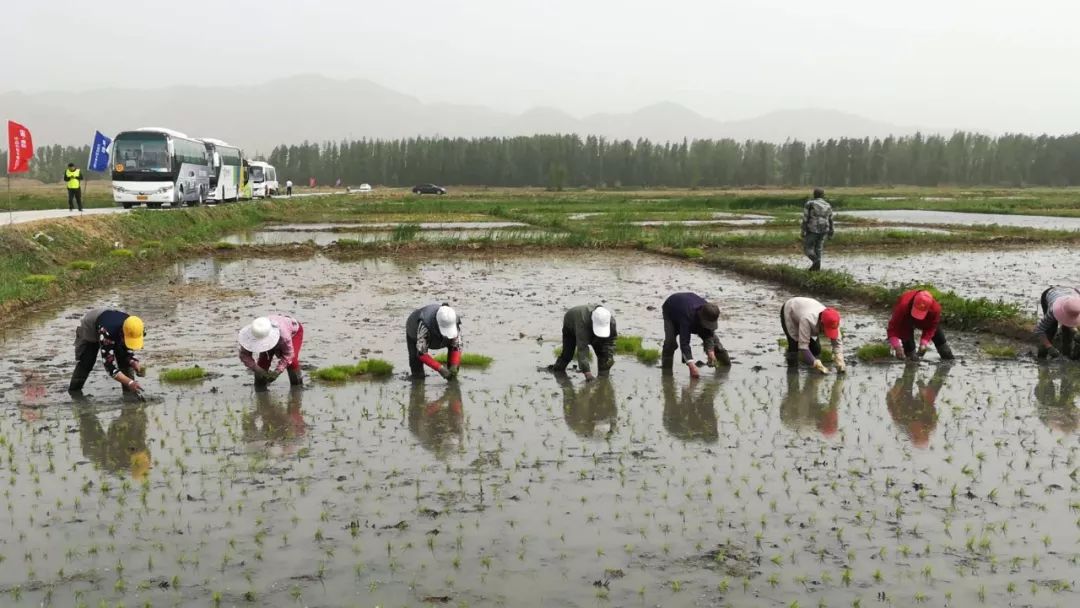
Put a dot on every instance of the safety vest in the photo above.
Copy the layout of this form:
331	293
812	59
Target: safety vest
72	176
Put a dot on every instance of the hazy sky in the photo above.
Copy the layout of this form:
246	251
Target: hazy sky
986	64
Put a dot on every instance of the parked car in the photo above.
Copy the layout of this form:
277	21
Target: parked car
362	188
428	189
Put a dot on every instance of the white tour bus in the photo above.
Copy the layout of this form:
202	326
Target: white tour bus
158	166
263	178
226	169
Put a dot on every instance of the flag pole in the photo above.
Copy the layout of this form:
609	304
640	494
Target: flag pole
11	207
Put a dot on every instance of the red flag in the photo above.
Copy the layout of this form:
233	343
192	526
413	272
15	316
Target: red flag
20	148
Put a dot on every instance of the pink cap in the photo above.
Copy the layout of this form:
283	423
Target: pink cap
1067	311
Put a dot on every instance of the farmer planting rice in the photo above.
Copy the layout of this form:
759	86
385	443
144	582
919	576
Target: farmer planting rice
584	326
115	334
685	314
434	326
917	309
803	320
1060	306
268	337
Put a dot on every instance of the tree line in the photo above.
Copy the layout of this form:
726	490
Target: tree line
558	161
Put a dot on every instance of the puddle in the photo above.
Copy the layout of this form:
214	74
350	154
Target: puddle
731	222
912	216
751	487
322	238
1016	276
361	226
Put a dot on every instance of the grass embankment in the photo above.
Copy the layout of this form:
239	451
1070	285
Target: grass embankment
958	312
373	368
83	252
96	195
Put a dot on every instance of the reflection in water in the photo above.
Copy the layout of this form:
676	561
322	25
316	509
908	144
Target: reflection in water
1057	407
122	448
593	403
437	423
801	407
689	413
914	411
274	422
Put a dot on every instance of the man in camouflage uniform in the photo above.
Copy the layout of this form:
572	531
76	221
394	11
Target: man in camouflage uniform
817	225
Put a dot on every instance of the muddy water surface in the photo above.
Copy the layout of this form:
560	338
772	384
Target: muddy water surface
757	486
912	216
285	237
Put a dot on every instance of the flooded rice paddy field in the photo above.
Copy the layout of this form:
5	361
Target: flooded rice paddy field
1016	276
894	485
912	216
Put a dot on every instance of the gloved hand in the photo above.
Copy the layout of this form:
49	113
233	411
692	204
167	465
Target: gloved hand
140	370
1053	353
454	372
923	346
913	356
271	376
898	353
819	366
841	365
135	387
589	376
694	373
444	372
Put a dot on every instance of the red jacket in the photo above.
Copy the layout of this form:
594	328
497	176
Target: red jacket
902	325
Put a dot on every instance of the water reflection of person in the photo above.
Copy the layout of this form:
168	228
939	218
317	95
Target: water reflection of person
274	423
802	408
593	403
120	449
437	423
690	414
913	411
1057	406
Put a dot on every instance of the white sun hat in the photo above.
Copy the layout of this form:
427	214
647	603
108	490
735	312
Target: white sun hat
448	322
601	322
259	336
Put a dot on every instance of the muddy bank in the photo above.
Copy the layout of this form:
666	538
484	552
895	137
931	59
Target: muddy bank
754	486
911	216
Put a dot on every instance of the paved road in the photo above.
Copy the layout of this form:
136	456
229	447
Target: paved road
21	217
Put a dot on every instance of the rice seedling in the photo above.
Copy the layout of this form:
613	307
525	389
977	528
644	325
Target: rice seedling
474	360
874	352
374	368
185	374
627	345
1000	351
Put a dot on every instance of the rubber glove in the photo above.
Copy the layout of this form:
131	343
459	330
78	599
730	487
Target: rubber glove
841	365
694	373
444	372
819	366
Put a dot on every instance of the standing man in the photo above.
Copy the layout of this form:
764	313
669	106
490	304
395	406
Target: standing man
288	188
917	309
688	313
817	225
584	326
73	178
115	334
434	326
268	337
1061	307
803	320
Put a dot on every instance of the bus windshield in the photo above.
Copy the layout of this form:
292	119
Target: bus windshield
142	152
257	174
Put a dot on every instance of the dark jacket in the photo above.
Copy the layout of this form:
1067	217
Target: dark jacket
579	320
426	316
681	309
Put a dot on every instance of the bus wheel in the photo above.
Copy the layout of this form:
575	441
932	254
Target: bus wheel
127	205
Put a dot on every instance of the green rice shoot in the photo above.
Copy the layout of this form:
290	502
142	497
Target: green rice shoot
875	352
1000	351
469	360
184	374
375	368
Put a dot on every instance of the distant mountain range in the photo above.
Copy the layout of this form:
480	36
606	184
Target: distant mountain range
316	108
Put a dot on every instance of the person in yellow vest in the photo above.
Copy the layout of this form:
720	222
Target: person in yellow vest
73	177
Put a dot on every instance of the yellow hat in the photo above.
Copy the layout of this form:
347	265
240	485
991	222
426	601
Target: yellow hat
133	333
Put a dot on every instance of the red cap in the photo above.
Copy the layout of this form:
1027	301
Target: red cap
921	304
830	323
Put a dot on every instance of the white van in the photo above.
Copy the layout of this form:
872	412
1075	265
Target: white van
263	178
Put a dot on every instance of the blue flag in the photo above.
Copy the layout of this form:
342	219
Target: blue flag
99	153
